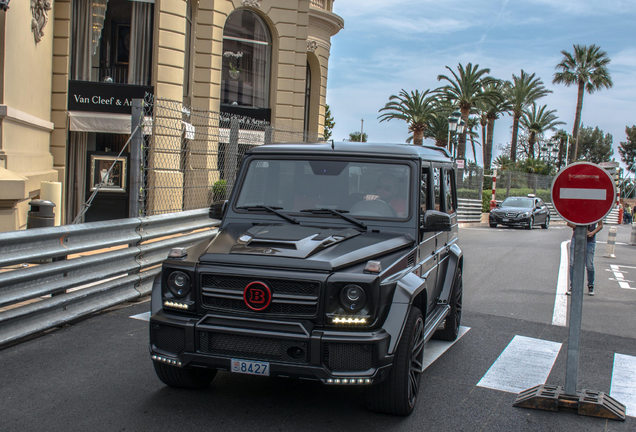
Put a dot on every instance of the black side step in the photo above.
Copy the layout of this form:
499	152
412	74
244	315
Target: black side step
435	319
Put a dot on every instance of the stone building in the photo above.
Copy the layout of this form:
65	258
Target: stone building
70	68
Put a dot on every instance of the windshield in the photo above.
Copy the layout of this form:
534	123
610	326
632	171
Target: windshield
359	189
517	202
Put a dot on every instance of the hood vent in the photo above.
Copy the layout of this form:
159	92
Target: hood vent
410	260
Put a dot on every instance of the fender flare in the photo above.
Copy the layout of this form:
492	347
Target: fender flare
156	302
455	256
407	288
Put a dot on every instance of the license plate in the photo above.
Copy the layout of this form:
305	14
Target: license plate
250	367
505	220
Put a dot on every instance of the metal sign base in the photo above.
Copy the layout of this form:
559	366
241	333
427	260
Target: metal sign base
584	402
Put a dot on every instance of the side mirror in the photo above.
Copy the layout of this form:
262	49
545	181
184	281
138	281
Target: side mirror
433	220
217	209
498	204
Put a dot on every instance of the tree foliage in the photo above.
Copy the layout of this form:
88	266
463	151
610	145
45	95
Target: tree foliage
595	145
357	137
330	123
627	149
587	69
415	108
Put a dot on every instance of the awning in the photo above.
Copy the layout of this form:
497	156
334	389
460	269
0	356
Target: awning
83	121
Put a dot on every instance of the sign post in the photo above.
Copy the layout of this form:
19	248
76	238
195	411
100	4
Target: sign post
583	194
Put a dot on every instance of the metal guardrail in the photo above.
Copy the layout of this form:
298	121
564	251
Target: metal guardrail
469	210
50	276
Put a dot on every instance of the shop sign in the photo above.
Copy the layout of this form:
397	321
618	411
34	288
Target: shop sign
104	97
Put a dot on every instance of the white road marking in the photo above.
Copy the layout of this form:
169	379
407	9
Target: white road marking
435	348
560	312
620	277
142	316
623	387
582	193
526	362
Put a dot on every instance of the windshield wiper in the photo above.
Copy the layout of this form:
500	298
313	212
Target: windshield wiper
270	209
340	213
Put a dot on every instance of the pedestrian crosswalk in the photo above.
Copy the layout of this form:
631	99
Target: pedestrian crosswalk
526	362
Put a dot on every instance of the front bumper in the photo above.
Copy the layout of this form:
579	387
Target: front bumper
509	220
292	349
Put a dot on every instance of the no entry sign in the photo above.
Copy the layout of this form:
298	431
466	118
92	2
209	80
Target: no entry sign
583	193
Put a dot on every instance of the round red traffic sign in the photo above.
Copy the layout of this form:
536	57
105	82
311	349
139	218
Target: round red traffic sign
583	193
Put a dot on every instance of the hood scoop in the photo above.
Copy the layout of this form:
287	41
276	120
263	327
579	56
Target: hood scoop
289	240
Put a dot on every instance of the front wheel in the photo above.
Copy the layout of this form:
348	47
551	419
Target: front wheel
189	378
397	394
546	224
530	223
493	225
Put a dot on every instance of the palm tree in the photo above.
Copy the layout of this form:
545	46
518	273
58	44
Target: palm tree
587	68
561	139
470	131
520	93
491	108
537	121
415	108
465	89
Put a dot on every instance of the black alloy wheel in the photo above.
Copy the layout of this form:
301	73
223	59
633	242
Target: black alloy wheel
397	394
493	225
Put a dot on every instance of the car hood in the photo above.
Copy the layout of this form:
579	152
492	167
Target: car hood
297	246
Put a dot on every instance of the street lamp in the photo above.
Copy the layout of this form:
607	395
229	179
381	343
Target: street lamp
453	121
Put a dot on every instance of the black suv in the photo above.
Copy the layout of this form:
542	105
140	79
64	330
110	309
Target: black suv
520	211
333	262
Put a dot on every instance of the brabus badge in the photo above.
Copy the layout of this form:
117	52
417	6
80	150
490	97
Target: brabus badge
257	296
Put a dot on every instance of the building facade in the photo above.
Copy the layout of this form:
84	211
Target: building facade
68	78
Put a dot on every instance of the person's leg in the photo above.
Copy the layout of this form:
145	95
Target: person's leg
571	258
589	265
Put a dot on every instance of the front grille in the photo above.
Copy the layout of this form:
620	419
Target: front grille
511	214
252	347
167	338
289	297
348	357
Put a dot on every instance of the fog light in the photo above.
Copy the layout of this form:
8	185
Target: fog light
349	381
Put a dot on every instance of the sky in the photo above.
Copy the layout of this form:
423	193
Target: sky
389	45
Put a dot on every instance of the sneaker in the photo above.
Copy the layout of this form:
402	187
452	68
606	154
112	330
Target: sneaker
590	290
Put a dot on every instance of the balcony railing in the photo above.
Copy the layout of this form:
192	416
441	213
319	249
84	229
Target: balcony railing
322	4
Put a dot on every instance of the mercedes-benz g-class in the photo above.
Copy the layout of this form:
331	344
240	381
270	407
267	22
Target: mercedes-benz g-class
332	262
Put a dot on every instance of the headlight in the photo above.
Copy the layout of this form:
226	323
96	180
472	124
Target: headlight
353	298
179	283
526	214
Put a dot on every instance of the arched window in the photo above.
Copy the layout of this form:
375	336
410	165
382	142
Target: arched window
246	61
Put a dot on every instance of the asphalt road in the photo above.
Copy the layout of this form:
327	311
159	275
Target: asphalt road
96	374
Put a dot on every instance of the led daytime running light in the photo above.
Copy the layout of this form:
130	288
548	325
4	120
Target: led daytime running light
348	320
166	360
176	305
349	381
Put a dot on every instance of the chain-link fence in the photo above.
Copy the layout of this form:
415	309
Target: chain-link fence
191	157
516	183
470	182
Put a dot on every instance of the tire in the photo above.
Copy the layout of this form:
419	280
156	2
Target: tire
530	223
188	378
454	318
493	225
397	394
546	224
